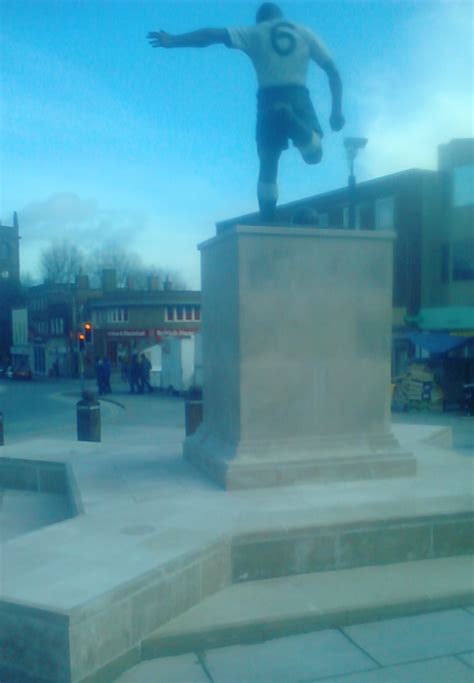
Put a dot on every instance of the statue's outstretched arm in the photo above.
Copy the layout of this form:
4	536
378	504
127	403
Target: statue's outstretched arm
324	60
201	38
336	119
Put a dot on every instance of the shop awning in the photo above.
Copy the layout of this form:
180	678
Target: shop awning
437	342
452	318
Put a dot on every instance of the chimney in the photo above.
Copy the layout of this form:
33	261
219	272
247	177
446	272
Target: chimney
154	283
109	279
81	281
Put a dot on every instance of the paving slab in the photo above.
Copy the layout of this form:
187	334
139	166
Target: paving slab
184	669
147	513
406	639
253	611
288	660
443	670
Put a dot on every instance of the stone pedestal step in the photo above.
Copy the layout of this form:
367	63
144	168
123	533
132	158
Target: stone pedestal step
259	610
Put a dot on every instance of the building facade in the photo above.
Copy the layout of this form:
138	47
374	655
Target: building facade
10	251
129	320
10	289
432	215
125	320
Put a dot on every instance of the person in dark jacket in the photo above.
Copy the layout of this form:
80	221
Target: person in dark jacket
134	375
107	373
145	373
100	376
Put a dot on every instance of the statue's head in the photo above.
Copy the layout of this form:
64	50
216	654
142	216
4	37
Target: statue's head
268	11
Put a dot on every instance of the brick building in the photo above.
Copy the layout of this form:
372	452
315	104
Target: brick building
10	291
125	320
129	320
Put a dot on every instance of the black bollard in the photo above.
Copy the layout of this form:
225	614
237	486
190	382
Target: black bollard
1	430
88	418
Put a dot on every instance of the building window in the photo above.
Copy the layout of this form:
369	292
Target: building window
345	217
323	220
463	185
336	217
384	214
463	260
117	315
365	217
182	313
57	326
5	251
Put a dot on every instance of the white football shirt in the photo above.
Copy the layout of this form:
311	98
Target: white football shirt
280	51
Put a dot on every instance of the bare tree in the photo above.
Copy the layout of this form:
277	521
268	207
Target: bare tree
128	264
110	255
61	262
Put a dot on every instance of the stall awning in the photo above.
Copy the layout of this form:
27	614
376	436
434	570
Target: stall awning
447	318
437	342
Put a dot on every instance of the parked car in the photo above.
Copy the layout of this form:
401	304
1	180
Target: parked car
22	373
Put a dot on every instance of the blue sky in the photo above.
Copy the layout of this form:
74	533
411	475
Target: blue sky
106	140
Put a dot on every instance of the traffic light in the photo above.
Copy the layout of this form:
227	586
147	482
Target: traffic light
82	341
88	332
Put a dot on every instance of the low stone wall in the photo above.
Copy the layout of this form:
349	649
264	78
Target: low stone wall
43	477
94	643
269	555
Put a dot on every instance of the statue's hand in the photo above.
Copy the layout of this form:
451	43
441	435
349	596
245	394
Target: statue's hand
160	39
337	120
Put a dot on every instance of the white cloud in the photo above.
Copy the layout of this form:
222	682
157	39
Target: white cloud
427	99
83	222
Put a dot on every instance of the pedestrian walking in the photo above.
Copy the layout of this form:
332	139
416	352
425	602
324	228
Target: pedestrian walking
134	375
146	373
124	368
100	377
107	374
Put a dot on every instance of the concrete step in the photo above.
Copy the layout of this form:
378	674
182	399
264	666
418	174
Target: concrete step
255	611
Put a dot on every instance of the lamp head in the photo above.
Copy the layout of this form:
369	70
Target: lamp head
353	145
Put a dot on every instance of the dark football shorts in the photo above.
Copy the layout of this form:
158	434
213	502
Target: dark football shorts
272	128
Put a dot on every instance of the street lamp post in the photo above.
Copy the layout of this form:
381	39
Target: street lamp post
352	146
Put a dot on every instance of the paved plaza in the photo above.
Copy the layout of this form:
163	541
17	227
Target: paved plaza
431	648
145	507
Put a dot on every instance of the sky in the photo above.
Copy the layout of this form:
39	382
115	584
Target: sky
105	140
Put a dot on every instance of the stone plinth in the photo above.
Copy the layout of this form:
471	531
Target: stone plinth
296	357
